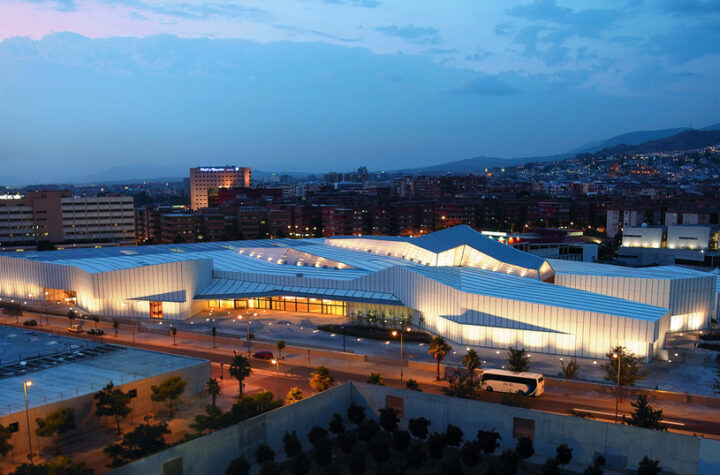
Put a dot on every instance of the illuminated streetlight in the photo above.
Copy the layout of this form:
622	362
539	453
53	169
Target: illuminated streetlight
395	333
277	377
617	356
27	384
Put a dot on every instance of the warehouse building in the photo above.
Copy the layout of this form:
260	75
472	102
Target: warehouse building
456	283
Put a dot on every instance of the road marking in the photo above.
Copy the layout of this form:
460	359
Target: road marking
611	414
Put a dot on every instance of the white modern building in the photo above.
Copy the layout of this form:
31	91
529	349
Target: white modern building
456	283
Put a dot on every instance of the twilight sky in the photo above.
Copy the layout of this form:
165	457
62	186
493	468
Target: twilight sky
314	85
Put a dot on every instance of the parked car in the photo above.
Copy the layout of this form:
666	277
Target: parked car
30	323
77	328
95	331
263	355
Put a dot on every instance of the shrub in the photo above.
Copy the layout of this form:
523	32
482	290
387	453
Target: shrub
525	448
488	440
419	427
367	430
356	414
336	426
238	466
436	445
270	468
389	419
415	456
264	453
400	440
300	464
291	443
508	462
379	449
648	467
317	435
516	400
471	453
550	467
564	454
347	441
356	462
323	454
453	435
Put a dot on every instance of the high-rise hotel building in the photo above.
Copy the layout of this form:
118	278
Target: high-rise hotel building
203	179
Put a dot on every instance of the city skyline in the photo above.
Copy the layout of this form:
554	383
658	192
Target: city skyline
88	86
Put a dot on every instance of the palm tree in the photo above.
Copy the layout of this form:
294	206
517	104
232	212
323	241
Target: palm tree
438	349
321	379
173	330
471	361
280	347
240	369
213	389
116	324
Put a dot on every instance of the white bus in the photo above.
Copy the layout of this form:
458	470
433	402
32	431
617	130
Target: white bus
529	384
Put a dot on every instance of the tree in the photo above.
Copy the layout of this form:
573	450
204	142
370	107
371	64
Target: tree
173	330
291	444
518	360
412	385
144	440
336	425
570	370
96	319
264	454
508	462
629	371
294	395
240	369
356	462
379	449
347	441
461	385
321	379
550	467
251	406
400	440
436	445
439	349
418	427
356	414
116	325
213	420
471	361
648	467
563	454
595	469
376	378
644	415
213	332
317	436
58	465
56	424
389	419
300	464
112	402
470	453
453	435
5	435
213	389
415	456
524	447
70	315
270	468
168	390
280	346
238	466
368	430
488	440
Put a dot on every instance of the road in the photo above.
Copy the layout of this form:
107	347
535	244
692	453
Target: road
680	414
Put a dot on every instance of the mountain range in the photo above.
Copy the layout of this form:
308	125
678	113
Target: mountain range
630	142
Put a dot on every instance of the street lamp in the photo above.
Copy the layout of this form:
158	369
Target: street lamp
277	377
132	318
27	384
240	317
395	333
617	356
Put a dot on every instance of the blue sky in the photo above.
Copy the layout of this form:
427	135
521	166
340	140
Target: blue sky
314	85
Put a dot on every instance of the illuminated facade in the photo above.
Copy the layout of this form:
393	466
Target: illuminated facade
457	283
203	179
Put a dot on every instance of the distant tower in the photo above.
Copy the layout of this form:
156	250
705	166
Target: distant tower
204	178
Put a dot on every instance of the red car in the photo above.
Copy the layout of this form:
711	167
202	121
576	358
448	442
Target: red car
263	355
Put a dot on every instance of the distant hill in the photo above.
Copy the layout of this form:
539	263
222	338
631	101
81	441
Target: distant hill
630	138
690	139
712	127
470	165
